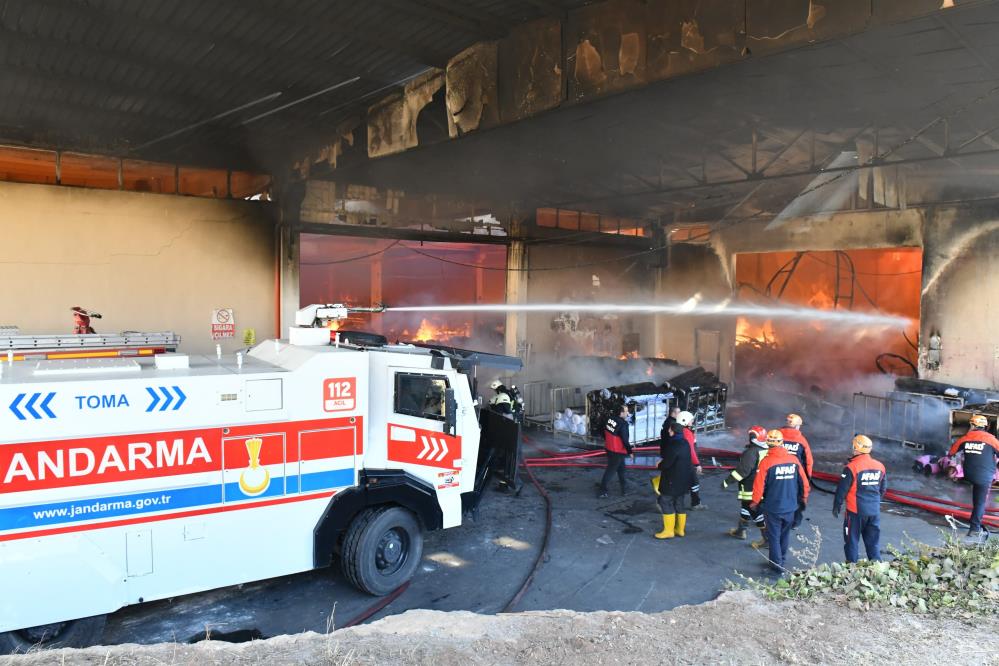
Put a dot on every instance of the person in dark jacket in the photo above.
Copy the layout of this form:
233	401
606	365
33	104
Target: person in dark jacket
618	446
676	476
744	474
981	455
861	485
779	489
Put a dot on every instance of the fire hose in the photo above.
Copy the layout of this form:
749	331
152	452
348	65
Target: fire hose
935	505
949	509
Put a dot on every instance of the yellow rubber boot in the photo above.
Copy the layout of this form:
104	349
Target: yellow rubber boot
681	524
669	522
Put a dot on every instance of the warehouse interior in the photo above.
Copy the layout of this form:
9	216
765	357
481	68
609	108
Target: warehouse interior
159	161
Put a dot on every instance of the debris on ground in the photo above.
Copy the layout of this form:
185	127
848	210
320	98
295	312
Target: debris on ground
605	540
950	580
738	627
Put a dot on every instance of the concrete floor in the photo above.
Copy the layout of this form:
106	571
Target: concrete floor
601	557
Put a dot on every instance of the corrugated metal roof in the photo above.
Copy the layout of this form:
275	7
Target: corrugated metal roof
111	75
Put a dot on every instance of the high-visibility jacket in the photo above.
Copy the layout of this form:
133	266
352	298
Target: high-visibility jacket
780	485
616	435
981	451
797	443
862	484
745	470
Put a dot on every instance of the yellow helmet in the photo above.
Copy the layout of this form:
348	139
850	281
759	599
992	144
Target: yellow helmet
862	444
794	421
775	438
979	421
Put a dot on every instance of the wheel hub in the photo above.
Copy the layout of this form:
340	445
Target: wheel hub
391	552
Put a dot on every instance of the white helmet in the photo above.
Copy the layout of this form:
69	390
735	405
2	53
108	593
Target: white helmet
495	384
686	419
501	399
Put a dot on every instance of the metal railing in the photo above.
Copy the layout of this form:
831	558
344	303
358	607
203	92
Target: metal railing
892	419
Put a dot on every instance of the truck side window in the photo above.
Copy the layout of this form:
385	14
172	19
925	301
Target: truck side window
420	395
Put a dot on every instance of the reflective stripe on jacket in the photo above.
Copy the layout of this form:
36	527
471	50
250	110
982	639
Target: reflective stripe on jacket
862	484
745	470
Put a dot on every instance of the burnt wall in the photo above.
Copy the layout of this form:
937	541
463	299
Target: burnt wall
588	274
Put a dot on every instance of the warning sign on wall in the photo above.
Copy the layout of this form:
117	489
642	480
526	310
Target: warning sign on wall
223	324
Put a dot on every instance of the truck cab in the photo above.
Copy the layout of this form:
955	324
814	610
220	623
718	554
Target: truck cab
133	478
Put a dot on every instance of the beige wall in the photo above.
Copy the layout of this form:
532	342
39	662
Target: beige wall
960	295
145	261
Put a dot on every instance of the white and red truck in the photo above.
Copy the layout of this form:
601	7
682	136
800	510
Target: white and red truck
128	475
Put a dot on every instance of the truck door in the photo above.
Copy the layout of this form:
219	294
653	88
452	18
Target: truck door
416	422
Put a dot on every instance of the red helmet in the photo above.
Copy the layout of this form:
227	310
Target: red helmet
758	435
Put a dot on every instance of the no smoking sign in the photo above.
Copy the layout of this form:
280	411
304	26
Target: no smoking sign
223	324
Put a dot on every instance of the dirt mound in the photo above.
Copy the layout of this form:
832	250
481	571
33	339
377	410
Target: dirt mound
739	627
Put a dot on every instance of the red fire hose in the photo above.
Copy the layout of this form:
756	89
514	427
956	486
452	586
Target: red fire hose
935	505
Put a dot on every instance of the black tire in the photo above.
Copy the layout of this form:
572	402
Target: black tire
80	633
382	549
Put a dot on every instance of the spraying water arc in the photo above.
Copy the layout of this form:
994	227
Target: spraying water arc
691	307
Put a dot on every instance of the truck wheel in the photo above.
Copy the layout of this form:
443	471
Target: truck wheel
381	550
80	633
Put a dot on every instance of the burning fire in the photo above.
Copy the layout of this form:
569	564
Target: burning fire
747	332
430	332
334	324
625	357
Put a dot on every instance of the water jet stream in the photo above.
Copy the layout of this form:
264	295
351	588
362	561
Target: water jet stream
690	307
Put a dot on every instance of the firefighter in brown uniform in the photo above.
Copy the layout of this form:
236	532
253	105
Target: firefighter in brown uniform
743	474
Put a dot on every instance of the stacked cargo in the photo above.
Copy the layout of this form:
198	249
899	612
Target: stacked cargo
648	404
702	394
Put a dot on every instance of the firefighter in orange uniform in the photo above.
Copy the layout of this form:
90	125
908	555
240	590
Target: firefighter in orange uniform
981	455
779	489
797	443
862	485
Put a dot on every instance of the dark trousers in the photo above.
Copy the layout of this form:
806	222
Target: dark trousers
778	528
615	465
856	526
748	514
672	504
979	500
695	490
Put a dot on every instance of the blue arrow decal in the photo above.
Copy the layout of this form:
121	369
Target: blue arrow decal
30	405
155	397
166	397
181	398
45	405
13	406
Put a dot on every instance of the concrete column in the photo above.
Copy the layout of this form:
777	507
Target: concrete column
516	293
289	254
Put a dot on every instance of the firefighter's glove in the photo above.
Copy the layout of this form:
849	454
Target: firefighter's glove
836	512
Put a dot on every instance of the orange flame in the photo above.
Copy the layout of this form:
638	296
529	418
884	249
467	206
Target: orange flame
746	332
430	332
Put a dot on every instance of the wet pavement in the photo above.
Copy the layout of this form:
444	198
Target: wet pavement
601	557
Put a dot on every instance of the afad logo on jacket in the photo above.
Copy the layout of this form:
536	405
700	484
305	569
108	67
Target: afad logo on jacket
785	472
